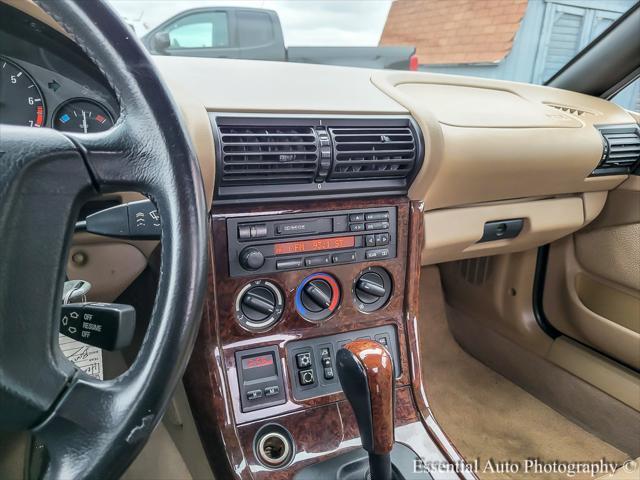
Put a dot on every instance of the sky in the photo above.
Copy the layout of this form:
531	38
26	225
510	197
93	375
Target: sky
304	22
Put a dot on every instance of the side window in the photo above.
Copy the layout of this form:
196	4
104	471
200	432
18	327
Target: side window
629	96
256	29
199	30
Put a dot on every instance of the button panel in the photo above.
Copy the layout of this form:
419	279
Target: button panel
321	378
311	240
260	378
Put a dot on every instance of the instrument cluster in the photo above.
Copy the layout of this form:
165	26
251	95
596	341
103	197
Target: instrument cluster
47	81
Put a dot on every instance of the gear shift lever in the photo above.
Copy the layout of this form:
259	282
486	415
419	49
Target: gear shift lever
365	370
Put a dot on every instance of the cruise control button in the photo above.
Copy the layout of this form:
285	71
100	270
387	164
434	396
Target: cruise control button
254	394
378	253
306	377
303	360
271	390
377	216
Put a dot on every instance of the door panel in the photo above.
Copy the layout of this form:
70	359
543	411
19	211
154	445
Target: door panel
592	289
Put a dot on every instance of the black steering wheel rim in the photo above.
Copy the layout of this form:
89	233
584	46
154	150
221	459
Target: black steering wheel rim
92	428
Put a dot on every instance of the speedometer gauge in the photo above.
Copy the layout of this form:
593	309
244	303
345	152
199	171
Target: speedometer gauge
82	116
21	101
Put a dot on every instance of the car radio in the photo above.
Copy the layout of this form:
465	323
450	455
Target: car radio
274	243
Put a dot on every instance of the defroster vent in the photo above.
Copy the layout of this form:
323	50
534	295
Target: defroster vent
362	153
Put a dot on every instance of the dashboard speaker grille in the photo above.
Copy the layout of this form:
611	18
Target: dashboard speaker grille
372	152
268	154
621	150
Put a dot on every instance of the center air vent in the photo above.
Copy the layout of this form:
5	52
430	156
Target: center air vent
268	154
273	158
362	153
621	150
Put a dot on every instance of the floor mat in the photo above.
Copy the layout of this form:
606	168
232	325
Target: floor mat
490	419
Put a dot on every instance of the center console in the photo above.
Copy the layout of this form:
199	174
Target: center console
288	287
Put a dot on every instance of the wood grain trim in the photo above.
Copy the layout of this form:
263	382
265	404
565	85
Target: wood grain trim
378	367
411	308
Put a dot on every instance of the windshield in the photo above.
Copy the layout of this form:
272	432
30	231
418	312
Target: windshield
521	40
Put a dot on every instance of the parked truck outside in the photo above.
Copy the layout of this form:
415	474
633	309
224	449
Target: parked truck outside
256	34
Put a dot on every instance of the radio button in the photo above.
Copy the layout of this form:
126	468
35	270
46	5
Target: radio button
378	226
356	227
382	239
377	216
356	217
244	232
260	231
288	263
370	240
316	261
345	257
379	253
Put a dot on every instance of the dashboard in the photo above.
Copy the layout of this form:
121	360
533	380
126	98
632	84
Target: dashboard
329	188
47	81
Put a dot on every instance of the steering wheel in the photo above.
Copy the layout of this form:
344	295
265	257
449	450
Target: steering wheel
91	428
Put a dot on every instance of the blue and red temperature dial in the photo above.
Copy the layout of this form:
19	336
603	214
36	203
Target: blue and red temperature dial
317	296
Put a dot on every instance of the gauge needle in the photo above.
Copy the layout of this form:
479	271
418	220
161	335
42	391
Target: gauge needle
84	121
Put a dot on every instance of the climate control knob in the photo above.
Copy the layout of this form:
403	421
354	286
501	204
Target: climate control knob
259	305
372	289
251	258
317	296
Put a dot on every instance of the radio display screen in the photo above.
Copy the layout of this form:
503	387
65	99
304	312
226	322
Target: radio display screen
316	245
258	366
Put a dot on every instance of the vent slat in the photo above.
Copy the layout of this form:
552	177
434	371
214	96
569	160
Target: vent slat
268	154
623	151
379	152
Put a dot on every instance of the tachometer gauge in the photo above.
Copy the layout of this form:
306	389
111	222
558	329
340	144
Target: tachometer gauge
21	101
82	116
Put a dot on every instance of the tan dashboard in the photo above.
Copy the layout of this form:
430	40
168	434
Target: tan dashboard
493	149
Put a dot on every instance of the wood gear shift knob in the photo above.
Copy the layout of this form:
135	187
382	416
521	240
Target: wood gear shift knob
365	369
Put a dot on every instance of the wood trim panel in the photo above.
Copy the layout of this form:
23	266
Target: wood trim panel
321	426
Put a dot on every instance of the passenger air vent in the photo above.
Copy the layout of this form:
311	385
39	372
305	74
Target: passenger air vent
255	155
621	150
362	153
